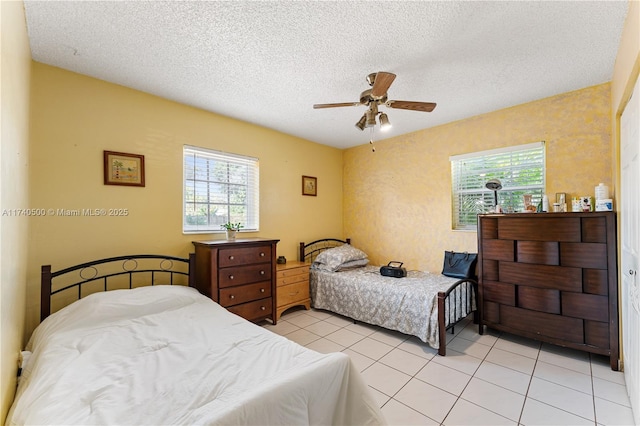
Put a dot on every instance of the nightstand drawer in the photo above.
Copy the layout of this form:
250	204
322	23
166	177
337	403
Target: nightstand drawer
245	293
293	293
293	279
240	275
293	271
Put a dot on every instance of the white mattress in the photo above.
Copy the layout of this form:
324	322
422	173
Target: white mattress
168	355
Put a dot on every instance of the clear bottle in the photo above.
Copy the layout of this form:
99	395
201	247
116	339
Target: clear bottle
602	192
545	203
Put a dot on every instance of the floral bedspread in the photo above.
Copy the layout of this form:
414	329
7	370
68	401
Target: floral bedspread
408	304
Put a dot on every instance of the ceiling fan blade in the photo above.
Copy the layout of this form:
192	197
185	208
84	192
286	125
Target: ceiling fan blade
414	106
343	104
381	84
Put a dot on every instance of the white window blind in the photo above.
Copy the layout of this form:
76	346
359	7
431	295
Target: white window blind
218	188
520	169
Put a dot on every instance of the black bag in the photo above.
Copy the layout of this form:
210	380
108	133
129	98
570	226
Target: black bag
459	265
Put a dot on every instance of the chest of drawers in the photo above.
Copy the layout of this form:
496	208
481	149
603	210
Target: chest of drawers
239	275
292	286
551	277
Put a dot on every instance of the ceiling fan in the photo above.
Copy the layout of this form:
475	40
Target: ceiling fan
376	96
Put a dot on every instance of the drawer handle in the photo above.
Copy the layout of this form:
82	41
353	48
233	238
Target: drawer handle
261	272
232	297
262	290
261	254
230	277
231	257
293	294
263	308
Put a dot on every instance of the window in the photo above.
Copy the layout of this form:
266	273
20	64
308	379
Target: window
520	169
219	188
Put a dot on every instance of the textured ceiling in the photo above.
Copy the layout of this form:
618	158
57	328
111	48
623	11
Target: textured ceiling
268	62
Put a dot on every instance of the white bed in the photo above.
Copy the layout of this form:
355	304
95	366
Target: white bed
169	355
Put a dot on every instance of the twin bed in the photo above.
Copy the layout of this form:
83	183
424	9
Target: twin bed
421	304
152	350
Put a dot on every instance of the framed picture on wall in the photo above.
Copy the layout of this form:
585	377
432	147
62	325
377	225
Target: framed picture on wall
123	169
309	185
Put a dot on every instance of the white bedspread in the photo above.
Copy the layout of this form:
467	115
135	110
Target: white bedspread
408	304
167	355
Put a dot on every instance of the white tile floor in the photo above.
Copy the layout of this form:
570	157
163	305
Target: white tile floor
493	379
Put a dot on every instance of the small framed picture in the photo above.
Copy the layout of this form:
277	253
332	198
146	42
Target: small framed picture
123	169
309	185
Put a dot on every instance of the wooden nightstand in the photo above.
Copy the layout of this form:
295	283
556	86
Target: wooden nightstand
292	286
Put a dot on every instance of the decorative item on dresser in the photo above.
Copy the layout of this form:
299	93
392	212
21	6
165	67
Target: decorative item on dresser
551	277
239	275
292	288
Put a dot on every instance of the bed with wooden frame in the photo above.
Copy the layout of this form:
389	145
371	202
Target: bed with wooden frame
422	304
132	341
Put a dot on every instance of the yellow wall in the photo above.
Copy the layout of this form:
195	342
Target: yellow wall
14	191
397	201
74	118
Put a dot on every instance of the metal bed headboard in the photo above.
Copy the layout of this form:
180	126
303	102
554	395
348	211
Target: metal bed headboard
308	252
90	272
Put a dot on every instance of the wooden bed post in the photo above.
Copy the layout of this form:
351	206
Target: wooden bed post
45	292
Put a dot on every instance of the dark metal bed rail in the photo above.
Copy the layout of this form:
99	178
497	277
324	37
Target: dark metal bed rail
466	288
89	273
308	252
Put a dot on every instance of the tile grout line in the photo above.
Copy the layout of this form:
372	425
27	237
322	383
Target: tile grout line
526	394
458	397
593	392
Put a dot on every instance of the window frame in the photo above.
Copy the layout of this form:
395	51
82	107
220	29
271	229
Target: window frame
469	173
234	175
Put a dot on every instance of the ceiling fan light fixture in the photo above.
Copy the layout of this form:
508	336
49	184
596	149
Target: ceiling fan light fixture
384	122
375	96
370	118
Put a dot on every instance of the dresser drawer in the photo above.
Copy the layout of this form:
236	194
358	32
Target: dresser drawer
543	324
293	293
244	256
230	296
254	310
240	275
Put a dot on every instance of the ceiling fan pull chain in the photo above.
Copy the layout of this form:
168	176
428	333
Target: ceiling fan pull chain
373	148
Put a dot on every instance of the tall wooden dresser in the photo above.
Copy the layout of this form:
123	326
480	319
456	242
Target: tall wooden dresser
239	274
551	277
